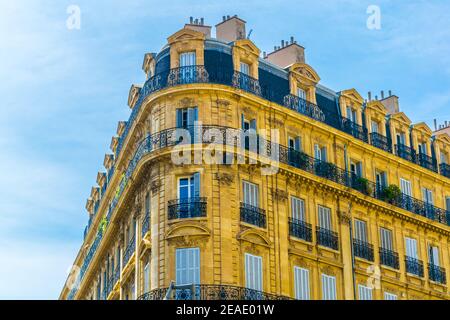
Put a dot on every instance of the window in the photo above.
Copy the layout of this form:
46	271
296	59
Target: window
356	168
320	153
245	68
187	117
324	218
351	114
187	59
447	203
443	158
390	296
365	293
328	287
433	255
253	272
386	239
411	248
375	128
381	180
189	187
297	209
133	291
187	266
147	204
427	196
401	138
360	230
147	277
251	194
301	93
295	143
422	148
405	187
301	282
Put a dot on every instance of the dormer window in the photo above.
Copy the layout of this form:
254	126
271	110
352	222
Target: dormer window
245	68
401	138
422	148
188	59
301	93
443	158
375	127
351	114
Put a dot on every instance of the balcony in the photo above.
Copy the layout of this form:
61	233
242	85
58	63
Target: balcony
362	185
245	82
300	229
354	129
389	258
363	249
327	238
405	152
194	207
437	274
130	249
187	75
381	142
444	169
414	266
253	215
304	107
210	292
426	162
145	225
115	277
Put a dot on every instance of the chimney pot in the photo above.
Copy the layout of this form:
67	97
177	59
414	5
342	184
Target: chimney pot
370	96
282	43
435	124
191	20
292	40
228	17
224	18
382	94
376	98
390	93
202	21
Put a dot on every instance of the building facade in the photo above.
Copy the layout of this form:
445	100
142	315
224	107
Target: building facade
324	195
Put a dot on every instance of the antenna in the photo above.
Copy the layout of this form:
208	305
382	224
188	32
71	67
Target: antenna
249	34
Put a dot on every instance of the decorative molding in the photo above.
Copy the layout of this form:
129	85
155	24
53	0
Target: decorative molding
280	195
187	102
155	185
345	217
249	111
224	178
223	102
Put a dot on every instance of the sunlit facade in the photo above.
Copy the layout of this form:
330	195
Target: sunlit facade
358	206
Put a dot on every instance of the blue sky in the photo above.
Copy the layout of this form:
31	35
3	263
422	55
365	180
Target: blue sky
62	93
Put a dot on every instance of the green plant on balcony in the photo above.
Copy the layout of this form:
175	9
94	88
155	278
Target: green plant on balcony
102	225
325	169
392	193
364	185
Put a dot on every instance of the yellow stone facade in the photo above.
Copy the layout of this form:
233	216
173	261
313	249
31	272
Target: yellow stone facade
221	236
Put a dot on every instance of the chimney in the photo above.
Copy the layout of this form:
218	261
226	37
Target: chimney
435	124
289	53
200	27
370	96
391	103
231	29
382	94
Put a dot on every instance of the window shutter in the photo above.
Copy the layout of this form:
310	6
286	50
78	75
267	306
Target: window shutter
361	230
328	287
301	282
324	218
253	272
298	144
411	248
390	296
324	154
298	209
317	153
434	255
242	121
253	124
187	266
386	239
196	184
365	293
179	118
146	278
447	203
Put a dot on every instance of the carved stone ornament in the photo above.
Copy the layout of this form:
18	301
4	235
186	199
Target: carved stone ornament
187	102
224	178
344	217
248	111
188	241
280	195
155	185
223	102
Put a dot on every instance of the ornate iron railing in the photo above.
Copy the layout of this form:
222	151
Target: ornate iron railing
405	152
130	249
327	238
145	225
426	162
213	292
437	273
187	208
414	266
187	74
245	82
389	258
253	215
381	142
354	129
300	229
304	107
363	249
444	170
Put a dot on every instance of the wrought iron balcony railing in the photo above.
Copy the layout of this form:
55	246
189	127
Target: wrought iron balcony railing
245	82
187	74
444	170
363	249
300	229
213	292
426	162
129	251
187	208
327	238
405	152
253	215
354	129
304	107
389	258
381	142
145	224
437	273
414	266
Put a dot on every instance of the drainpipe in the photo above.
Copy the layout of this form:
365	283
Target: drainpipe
353	255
